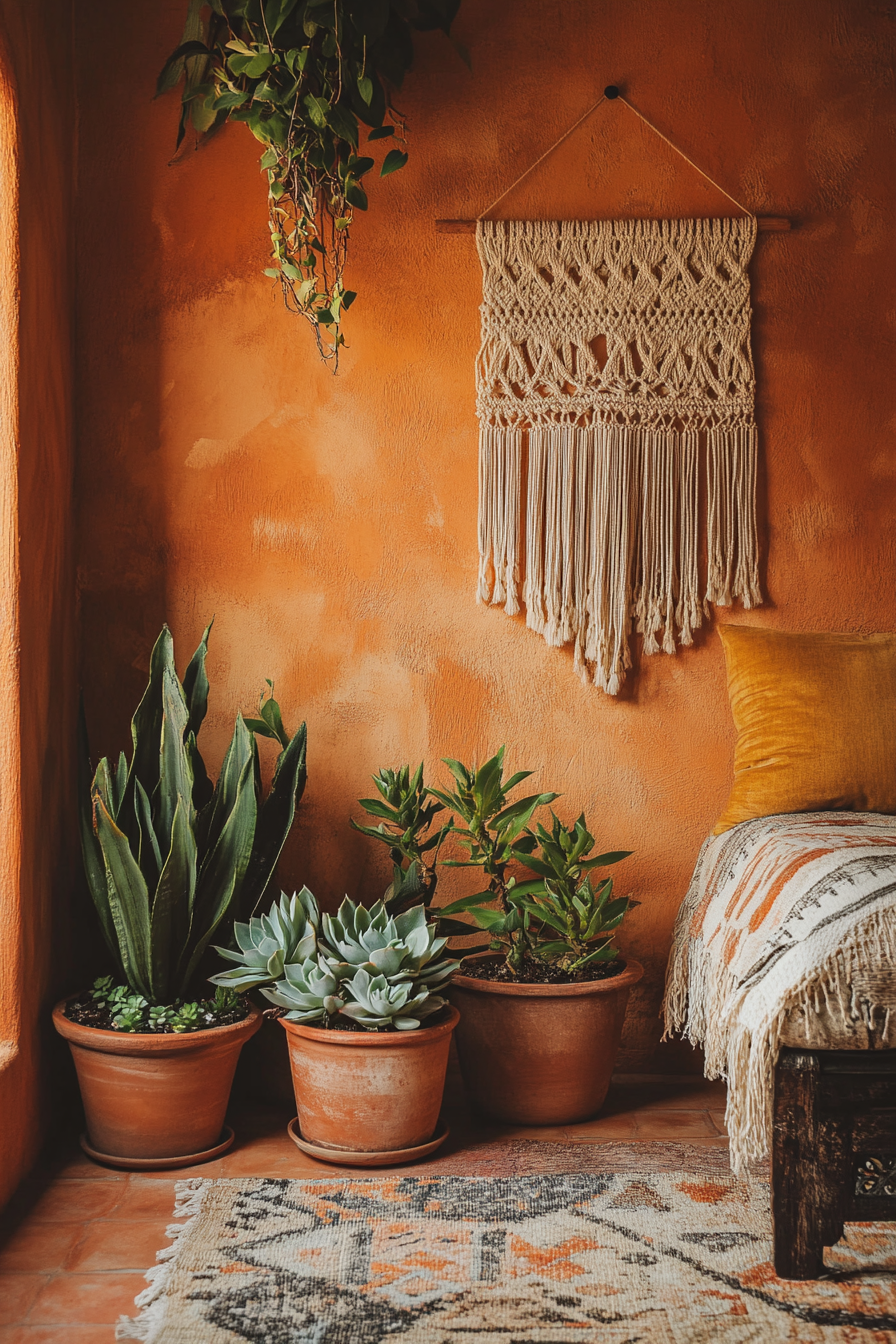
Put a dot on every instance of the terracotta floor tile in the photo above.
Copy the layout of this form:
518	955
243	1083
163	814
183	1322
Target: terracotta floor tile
111	1245
40	1246
57	1334
17	1293
141	1199
603	1128
86	1299
674	1126
76	1201
688	1095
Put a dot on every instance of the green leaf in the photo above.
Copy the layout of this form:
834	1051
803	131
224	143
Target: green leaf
257	66
94	867
603	860
365	88
173	69
276	12
395	159
231	98
355	195
175	770
128	901
275	819
381	132
465	904
170	920
317	110
146	725
221	875
196	683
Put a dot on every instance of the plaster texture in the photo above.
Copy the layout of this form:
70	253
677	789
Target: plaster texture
329	524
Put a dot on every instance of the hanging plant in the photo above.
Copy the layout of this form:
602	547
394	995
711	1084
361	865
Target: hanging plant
305	76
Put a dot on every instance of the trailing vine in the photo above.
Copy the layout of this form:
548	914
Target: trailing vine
305	76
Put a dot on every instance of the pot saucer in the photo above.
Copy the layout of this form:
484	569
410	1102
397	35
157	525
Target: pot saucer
160	1163
344	1157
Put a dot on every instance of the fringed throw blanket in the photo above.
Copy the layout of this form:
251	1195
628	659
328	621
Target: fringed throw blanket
615	357
787	936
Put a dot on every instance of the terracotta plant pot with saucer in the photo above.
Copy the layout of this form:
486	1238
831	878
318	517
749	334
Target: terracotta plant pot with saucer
155	1099
540	1054
369	1093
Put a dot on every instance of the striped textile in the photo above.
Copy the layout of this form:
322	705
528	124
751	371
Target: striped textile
787	936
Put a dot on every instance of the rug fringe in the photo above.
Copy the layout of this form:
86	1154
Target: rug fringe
188	1199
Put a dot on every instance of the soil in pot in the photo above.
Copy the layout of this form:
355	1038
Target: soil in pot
536	1053
155	1095
369	1091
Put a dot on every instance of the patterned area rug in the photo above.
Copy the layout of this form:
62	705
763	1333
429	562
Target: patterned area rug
622	1257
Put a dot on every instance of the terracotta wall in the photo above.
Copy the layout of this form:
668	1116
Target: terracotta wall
37	653
329	524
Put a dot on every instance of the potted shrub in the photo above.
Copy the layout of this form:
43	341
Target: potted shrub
367	1027
541	1021
170	858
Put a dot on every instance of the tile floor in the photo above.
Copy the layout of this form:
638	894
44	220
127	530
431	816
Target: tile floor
78	1238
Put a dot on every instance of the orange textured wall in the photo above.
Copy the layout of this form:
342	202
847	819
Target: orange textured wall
330	523
37	645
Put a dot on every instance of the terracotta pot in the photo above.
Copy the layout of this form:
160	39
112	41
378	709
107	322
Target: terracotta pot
369	1091
540	1054
155	1096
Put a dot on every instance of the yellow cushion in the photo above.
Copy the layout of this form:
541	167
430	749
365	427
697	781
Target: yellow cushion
816	722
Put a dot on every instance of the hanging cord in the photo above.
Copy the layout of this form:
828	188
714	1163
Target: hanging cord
614	94
680	152
555	145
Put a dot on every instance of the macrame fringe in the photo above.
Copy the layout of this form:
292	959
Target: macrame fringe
146	1326
745	1056
612	535
615	354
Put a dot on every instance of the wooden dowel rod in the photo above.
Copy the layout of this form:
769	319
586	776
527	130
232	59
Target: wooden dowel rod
765	224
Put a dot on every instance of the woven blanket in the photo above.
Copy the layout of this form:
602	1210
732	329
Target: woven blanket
789	925
657	1258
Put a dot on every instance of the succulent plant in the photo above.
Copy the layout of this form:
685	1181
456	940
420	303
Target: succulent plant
309	990
287	933
382	1001
572	921
377	969
400	947
406	812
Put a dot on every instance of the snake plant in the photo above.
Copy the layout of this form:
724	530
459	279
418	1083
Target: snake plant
170	856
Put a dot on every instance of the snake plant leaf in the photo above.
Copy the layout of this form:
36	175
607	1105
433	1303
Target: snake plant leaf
221	876
94	867
146	725
175	772
203	788
196	686
170	921
149	856
128	901
235	758
275	819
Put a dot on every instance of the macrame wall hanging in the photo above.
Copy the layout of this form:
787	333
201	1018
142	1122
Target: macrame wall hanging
615	396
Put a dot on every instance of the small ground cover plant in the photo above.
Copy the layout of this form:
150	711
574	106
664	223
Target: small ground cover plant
360	968
112	1007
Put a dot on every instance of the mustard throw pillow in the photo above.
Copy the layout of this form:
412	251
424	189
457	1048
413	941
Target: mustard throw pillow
816	722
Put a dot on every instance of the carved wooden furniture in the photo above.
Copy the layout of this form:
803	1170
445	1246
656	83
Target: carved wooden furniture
833	1150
